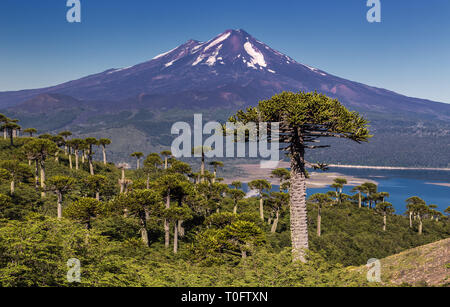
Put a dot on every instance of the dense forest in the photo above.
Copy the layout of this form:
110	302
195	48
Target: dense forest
163	223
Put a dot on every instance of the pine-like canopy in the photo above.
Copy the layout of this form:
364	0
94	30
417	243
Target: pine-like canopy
306	117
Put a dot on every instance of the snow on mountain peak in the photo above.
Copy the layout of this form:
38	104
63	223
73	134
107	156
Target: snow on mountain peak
218	40
235	48
257	57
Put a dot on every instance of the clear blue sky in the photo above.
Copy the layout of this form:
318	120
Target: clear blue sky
408	52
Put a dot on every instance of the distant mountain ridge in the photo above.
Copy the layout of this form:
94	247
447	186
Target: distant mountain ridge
231	71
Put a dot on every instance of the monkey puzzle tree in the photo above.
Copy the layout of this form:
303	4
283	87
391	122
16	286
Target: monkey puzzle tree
166	154
282	175
168	184
320	200
65	135
201	151
10	125
16	172
103	142
76	144
339	185
95	184
359	189
141	203
385	209
3	119
30	131
83	210
59	141
411	204
138	156
151	165
417	206
242	236
370	189
174	215
215	165
60	185
90	143
40	149
260	185
304	118
236	195
278	200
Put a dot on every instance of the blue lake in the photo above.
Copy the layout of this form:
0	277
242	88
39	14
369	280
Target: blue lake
400	184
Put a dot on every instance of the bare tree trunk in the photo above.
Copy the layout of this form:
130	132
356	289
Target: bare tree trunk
261	207
144	232
104	154
148	181
12	187
43	178
36	174
298	211
202	168
97	195
59	205
165	163
175	238
319	222
91	166
181	229
359	200
65	150
235	208
70	161
275	222
410	219
420	225
166	224
384	221
76	160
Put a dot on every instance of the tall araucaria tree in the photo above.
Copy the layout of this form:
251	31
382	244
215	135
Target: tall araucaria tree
90	143
260	185
65	135
10	126
30	131
166	154
60	185
304	118
40	149
16	172
215	165
138	156
320	200
385	209
103	142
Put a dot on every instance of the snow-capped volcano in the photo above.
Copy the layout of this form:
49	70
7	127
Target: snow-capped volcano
233	47
230	70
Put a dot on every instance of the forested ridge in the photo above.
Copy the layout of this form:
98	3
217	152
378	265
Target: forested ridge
165	223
